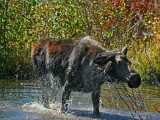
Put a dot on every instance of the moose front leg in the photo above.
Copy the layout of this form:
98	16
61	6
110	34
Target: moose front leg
95	100
65	96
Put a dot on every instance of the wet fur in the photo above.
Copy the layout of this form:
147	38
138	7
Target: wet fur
60	56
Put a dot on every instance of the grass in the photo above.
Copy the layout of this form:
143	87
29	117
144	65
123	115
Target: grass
145	57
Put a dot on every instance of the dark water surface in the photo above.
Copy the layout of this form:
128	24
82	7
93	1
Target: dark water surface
21	100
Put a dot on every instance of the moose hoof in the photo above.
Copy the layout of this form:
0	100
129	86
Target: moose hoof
96	114
64	111
46	105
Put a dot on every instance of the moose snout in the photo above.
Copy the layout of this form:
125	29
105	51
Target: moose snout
134	80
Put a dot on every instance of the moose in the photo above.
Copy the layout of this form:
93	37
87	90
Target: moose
82	65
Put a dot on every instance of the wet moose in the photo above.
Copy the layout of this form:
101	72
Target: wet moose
80	65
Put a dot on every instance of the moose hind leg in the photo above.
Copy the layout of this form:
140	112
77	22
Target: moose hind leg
54	87
65	96
45	98
45	91
95	100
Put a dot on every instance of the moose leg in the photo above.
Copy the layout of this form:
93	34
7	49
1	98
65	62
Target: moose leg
95	100
45	91
65	96
54	85
45	97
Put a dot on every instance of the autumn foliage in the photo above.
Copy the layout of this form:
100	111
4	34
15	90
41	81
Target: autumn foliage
115	23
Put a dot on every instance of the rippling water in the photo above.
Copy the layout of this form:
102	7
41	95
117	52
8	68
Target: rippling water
21	100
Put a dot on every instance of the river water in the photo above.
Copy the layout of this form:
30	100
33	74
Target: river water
21	100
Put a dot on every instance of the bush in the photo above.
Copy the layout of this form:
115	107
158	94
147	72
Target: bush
114	23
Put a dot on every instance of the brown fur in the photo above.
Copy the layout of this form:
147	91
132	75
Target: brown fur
36	50
60	46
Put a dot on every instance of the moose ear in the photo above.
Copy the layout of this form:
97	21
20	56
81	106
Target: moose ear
103	59
124	50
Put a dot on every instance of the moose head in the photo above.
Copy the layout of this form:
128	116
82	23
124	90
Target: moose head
117	66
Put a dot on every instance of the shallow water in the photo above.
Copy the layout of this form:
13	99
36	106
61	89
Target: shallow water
21	100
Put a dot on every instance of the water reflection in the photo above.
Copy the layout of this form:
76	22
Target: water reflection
13	94
22	100
147	97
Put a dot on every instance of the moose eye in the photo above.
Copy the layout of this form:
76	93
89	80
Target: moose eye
130	62
120	62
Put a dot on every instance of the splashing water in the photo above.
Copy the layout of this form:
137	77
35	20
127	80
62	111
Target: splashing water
82	113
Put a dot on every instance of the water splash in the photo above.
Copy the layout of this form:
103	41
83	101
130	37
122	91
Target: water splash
76	112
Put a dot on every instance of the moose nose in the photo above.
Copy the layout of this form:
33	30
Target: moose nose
134	80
